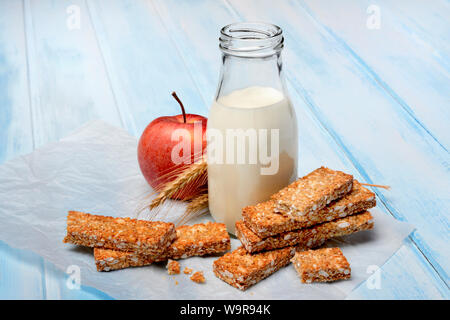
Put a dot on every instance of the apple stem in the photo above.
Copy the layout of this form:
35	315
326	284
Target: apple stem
181	105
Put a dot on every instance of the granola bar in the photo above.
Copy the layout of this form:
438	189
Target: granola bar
322	265
196	240
241	269
108	260
126	234
265	222
312	192
307	237
199	240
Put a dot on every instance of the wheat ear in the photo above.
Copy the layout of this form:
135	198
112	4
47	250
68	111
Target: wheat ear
194	172
197	206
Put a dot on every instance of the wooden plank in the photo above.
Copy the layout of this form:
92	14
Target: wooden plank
389	147
185	25
394	271
20	271
192	56
125	77
16	134
68	84
21	274
426	22
409	64
57	288
143	63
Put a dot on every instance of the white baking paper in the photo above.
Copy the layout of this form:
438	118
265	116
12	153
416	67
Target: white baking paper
95	170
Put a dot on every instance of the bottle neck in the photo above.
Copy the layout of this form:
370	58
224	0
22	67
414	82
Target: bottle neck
251	57
251	39
240	72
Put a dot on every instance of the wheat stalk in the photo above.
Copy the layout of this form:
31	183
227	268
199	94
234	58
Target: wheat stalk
195	172
197	206
198	203
375	185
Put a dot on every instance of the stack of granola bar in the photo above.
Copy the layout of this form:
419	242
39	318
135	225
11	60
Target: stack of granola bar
123	242
321	205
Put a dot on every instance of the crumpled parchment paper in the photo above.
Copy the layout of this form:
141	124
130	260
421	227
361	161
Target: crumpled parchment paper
95	170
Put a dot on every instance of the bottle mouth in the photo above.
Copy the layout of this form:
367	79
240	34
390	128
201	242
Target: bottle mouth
251	39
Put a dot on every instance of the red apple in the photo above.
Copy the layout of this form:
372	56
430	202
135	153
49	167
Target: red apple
157	143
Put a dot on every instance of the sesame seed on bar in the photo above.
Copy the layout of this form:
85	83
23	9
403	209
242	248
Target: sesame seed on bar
263	219
312	192
242	269
306	237
321	265
195	240
125	234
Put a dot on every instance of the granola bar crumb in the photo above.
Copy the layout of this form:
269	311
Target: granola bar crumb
198	277
173	267
187	270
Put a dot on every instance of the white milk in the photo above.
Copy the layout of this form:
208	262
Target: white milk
232	186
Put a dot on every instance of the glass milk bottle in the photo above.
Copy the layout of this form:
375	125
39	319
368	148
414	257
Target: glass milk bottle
252	127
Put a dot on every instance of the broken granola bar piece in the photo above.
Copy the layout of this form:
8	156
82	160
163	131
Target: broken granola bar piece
187	270
312	192
263	219
199	240
195	240
308	237
108	260
322	265
173	267
125	234
241	269
198	277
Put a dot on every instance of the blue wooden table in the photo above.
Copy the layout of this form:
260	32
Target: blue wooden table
370	81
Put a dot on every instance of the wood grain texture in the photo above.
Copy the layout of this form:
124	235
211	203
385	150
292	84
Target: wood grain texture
425	23
137	97
393	280
319	148
142	62
16	128
384	143
56	288
21	272
409	64
357	110
69	84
